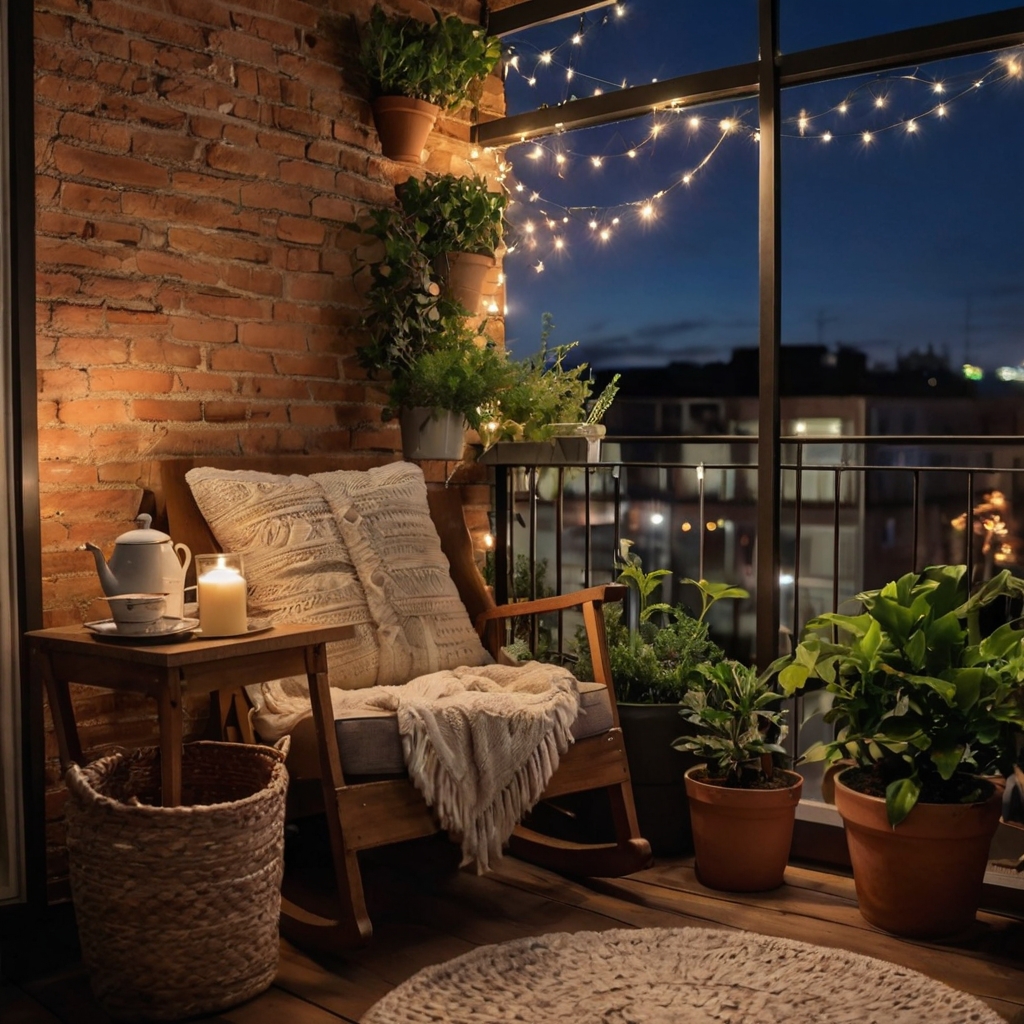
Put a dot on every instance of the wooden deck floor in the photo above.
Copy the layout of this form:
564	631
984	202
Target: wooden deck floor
423	915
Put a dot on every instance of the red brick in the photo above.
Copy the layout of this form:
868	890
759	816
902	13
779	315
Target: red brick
191	329
96	132
307	232
121	170
275	336
114	14
267	196
119	290
63	383
313	416
248	278
298	172
57	285
276	387
240	360
165	264
163	146
304	260
57	251
78	318
92	351
136	317
321	288
92	413
156	352
242	135
206	382
281	142
224	412
221	244
306	365
244	47
133	381
228	306
254	163
163	410
190	183
90	199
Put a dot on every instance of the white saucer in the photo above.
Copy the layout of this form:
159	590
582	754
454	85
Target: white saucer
162	629
255	626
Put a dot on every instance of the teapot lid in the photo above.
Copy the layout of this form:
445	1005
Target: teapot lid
143	535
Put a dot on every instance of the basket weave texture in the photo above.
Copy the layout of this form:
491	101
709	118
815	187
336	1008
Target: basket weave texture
178	907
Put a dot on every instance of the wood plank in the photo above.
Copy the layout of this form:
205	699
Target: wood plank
975	975
276	1005
17	1007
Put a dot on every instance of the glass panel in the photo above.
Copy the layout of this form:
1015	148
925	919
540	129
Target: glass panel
804	24
640	238
628	43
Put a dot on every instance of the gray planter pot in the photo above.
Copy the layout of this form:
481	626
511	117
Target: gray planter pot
432	434
656	770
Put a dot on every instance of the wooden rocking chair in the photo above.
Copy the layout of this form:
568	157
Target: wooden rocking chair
365	814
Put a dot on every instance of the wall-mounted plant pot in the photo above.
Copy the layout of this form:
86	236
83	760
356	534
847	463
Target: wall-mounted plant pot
923	878
742	836
432	434
575	444
403	126
463	276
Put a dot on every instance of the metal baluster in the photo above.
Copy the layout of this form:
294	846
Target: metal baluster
587	539
700	516
797	527
559	527
502	533
837	473
917	514
969	528
533	555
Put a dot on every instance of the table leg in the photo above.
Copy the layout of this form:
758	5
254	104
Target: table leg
168	704
59	695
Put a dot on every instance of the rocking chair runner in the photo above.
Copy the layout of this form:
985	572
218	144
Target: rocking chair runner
365	814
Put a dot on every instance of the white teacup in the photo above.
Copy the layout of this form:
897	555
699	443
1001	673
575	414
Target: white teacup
135	614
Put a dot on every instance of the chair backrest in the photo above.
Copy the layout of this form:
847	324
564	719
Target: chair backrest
177	512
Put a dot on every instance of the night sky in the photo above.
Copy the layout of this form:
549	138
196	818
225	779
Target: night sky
910	240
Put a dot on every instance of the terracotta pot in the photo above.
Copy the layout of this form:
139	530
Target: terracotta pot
432	434
742	836
463	275
403	125
923	878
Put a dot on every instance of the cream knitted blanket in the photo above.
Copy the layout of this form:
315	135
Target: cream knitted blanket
480	744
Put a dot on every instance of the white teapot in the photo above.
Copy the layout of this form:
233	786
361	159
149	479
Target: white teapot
145	561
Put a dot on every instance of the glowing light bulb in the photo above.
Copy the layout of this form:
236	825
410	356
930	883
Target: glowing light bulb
596	161
1013	69
598	92
879	101
615	220
620	10
939	88
605	234
631	154
941	110
559	244
911	126
539	267
843	107
545	57
559	158
655	129
550	223
501	279
593	225
687	178
647	211
657	519
727	125
565	220
493	307
568	74
536	153
514	62
866	136
474	154
520	187
577	39
528	227
802	122
826	137
978	84
531	81
694	122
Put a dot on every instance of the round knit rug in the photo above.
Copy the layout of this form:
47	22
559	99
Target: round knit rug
672	976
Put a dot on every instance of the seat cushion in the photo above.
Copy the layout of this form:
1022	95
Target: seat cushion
384	518
372	745
296	564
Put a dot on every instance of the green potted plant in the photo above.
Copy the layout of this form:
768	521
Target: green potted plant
460	221
415	70
441	393
546	409
653	665
927	702
742	806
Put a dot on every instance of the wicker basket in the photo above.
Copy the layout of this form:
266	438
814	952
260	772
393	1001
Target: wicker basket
178	907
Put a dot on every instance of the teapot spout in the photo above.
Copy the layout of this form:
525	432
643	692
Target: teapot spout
107	579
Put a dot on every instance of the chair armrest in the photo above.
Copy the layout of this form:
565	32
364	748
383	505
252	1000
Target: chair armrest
608	592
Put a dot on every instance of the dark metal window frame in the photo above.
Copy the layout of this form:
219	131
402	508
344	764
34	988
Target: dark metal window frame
764	79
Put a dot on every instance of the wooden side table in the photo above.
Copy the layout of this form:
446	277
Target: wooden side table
71	654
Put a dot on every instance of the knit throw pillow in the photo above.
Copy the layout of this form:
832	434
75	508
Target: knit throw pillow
297	566
385	521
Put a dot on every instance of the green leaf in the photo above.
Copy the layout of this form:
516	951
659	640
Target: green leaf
947	760
916	649
793	678
968	687
900	798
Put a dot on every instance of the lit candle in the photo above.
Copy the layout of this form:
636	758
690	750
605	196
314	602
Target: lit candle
221	592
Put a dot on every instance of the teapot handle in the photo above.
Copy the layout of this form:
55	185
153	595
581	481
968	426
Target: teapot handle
187	559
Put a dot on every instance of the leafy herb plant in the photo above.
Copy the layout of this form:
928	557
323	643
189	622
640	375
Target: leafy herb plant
454	213
739	727
439	62
922	697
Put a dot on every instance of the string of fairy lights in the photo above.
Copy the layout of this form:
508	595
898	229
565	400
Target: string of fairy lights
542	224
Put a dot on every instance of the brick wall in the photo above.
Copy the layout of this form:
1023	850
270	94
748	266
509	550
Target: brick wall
196	164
